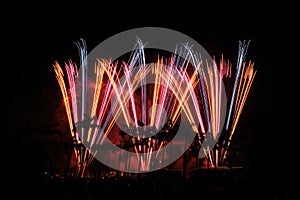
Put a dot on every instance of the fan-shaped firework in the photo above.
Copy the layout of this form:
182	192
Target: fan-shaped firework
153	108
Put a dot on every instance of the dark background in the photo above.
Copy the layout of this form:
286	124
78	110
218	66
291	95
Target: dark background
36	41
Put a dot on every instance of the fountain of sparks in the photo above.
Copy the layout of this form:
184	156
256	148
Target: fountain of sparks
153	108
242	77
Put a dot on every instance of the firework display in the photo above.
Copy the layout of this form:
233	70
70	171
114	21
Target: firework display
119	94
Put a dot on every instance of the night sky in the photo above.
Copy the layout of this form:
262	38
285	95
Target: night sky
34	94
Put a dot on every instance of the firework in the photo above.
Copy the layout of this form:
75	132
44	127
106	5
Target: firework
243	80
216	101
119	94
